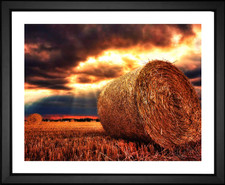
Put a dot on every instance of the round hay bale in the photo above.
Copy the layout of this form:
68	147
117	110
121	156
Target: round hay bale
155	102
34	119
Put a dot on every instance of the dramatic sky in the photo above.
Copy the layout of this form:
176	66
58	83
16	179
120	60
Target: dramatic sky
66	66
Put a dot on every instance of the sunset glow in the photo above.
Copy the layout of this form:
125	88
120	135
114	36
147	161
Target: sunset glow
65	63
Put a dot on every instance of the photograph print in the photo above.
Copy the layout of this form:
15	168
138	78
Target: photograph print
112	92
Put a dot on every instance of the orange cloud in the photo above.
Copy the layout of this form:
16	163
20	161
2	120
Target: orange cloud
113	63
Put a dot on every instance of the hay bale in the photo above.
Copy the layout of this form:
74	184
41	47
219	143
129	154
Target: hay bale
34	119
155	102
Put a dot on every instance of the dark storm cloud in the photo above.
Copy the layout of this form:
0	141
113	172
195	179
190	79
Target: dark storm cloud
186	29
50	83
98	72
196	83
193	73
68	105
85	79
58	48
104	70
44	78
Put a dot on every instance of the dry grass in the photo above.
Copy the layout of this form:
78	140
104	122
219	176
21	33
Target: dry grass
154	103
87	141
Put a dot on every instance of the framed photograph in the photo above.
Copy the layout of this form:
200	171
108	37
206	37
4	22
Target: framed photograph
114	92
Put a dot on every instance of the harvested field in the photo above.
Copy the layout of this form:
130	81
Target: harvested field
155	103
87	141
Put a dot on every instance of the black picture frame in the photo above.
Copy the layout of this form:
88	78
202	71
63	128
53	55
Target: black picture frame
7	7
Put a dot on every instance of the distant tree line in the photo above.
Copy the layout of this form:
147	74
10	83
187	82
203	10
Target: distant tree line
72	120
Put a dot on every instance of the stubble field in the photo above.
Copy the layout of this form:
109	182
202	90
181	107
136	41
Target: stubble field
87	141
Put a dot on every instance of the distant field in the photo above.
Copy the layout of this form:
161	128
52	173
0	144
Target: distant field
87	141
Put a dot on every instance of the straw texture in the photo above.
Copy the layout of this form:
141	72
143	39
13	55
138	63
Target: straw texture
34	119
155	102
